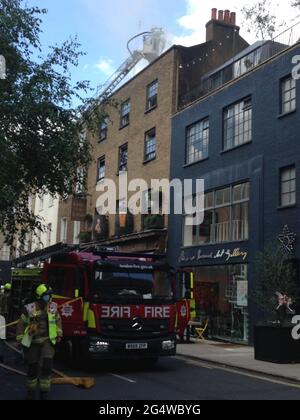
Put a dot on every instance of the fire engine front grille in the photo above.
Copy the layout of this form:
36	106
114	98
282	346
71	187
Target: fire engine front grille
135	328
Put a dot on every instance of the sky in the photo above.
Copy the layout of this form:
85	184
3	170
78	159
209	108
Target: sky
103	27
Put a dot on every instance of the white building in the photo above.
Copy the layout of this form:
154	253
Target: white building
46	207
4	250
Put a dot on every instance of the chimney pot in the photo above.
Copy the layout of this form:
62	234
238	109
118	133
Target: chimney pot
221	15
214	13
227	16
233	18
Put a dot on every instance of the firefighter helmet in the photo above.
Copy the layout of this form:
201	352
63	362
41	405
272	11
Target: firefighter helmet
43	290
7	286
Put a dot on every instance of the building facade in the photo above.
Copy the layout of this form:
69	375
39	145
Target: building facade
135	140
136	137
242	139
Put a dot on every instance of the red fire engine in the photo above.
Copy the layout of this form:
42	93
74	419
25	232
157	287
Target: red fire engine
117	305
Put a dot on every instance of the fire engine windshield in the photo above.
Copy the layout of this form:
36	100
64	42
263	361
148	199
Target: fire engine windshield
131	286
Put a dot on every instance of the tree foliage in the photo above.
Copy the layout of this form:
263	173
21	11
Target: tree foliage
40	141
275	272
260	19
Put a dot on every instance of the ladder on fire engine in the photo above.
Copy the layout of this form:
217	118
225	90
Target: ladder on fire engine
103	252
153	45
43	254
118	76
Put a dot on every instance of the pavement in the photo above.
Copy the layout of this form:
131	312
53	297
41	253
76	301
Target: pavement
236	356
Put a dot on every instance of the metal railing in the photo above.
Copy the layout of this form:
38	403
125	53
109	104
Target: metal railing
236	230
243	64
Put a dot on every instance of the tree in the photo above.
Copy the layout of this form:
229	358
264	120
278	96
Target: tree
275	274
40	143
296	4
260	19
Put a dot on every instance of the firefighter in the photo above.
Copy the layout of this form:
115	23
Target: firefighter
4	310
38	331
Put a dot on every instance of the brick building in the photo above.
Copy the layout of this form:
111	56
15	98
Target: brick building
136	137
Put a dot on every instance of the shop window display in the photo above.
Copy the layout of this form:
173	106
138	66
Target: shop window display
221	295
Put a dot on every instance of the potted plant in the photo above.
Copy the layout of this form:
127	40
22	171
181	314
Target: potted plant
85	237
153	221
276	294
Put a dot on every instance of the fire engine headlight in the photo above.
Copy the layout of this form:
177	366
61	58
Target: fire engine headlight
98	346
168	345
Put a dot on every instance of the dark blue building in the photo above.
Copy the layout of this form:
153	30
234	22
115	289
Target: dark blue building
243	138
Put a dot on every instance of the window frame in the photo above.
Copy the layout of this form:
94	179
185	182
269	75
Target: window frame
232	144
146	140
41	202
49	234
50	201
215	207
283	80
101	159
80	184
64	230
119	158
76	231
290	192
103	130
125	117
188	144
149	106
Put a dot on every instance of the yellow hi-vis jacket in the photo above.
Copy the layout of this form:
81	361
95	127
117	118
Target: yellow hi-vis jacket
29	326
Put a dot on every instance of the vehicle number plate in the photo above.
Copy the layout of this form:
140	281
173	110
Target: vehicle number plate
136	346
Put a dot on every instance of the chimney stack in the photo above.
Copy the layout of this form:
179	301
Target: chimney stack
227	16
220	15
233	18
222	25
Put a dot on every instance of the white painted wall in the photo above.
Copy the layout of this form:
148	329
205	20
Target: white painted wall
4	251
47	208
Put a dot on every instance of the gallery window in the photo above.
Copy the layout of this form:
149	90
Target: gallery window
221	296
226	215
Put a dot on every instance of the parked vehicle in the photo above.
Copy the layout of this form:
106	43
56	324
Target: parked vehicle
117	305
